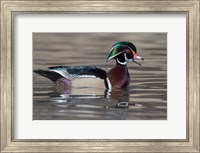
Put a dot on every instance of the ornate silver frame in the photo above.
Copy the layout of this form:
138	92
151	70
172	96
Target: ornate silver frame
189	7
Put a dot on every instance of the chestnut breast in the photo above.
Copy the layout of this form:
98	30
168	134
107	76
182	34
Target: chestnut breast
119	76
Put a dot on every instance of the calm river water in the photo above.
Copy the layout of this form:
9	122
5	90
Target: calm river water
144	99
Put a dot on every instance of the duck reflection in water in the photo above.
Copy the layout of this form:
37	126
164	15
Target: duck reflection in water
105	98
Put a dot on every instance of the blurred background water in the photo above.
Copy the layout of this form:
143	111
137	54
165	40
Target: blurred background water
144	99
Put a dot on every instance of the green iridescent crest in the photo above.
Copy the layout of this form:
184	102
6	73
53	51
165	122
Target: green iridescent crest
126	43
116	50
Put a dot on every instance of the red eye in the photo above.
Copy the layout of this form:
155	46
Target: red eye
127	51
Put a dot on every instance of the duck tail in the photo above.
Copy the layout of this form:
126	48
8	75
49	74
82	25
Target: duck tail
53	76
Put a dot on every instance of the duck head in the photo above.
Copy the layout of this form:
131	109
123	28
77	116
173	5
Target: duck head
124	52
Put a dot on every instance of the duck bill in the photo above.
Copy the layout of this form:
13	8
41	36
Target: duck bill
139	58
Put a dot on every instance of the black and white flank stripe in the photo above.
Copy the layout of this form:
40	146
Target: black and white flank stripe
87	76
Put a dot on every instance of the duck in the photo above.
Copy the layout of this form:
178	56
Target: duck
117	77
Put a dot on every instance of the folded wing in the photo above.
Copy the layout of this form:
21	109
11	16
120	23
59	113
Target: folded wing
79	76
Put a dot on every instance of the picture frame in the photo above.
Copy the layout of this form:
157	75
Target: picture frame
190	144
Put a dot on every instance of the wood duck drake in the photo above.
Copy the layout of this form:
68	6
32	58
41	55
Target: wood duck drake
90	76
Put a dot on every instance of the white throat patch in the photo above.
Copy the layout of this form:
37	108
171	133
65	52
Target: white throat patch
122	63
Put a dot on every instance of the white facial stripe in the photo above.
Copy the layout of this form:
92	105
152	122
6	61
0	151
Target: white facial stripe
125	57
124	63
114	56
110	52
